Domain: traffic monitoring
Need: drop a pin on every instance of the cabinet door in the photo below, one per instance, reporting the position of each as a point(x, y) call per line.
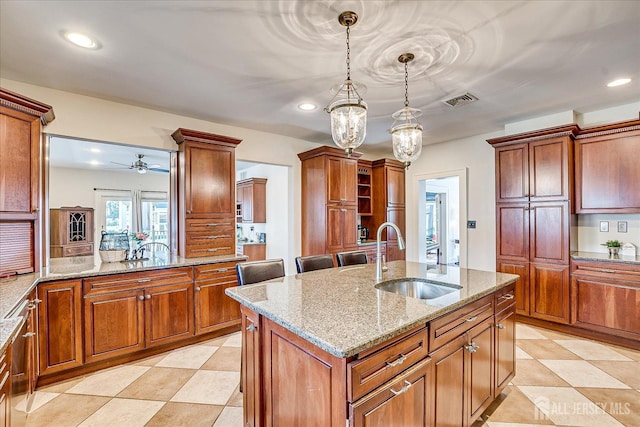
point(549, 174)
point(404, 402)
point(512, 173)
point(549, 232)
point(396, 216)
point(214, 309)
point(251, 381)
point(480, 364)
point(512, 231)
point(349, 227)
point(59, 325)
point(449, 384)
point(247, 203)
point(395, 188)
point(342, 229)
point(114, 324)
point(505, 348)
point(342, 181)
point(209, 181)
point(522, 284)
point(549, 292)
point(168, 313)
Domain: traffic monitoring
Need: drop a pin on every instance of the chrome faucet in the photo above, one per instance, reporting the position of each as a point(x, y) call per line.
point(401, 246)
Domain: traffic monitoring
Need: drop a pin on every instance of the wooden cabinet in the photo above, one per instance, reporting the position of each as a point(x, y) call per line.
point(206, 193)
point(125, 313)
point(371, 249)
point(606, 169)
point(329, 201)
point(71, 232)
point(522, 284)
point(251, 381)
point(606, 298)
point(505, 355)
point(549, 298)
point(388, 201)
point(251, 195)
point(365, 193)
point(214, 309)
point(255, 251)
point(5, 387)
point(20, 199)
point(60, 325)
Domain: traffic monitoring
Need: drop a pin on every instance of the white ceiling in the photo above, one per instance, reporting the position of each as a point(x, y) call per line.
point(250, 63)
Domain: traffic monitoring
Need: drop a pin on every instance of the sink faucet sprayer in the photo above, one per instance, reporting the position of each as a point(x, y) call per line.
point(401, 246)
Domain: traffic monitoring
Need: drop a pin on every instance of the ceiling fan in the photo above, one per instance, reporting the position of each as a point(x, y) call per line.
point(141, 166)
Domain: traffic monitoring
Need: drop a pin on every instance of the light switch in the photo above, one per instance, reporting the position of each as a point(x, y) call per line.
point(471, 224)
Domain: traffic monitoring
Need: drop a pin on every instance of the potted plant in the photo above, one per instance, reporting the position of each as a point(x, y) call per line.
point(613, 245)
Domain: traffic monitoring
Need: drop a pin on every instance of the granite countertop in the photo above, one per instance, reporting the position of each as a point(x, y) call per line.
point(604, 257)
point(15, 288)
point(341, 311)
point(241, 243)
point(369, 242)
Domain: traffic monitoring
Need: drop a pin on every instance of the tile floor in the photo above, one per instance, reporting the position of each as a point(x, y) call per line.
point(561, 380)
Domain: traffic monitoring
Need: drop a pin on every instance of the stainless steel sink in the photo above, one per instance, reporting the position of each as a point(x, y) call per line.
point(417, 288)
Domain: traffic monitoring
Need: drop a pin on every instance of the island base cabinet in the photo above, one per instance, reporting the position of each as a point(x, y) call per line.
point(505, 351)
point(251, 369)
point(480, 364)
point(449, 384)
point(404, 401)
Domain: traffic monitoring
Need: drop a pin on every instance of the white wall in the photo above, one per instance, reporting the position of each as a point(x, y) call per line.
point(590, 238)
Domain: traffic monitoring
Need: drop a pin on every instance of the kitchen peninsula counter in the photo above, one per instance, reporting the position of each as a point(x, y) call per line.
point(340, 311)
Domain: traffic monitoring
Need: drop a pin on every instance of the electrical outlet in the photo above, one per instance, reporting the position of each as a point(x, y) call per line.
point(471, 224)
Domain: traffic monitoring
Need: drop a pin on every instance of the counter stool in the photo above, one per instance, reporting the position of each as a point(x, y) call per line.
point(313, 262)
point(351, 258)
point(259, 271)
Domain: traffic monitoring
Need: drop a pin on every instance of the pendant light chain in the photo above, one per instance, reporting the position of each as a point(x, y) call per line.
point(348, 55)
point(406, 83)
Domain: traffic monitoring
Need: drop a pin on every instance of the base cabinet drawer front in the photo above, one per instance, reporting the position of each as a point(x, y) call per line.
point(505, 297)
point(611, 306)
point(114, 324)
point(606, 271)
point(404, 401)
point(446, 328)
point(521, 291)
point(210, 239)
point(168, 313)
point(376, 369)
point(505, 354)
point(77, 250)
point(194, 251)
point(60, 325)
point(550, 292)
point(213, 225)
point(128, 281)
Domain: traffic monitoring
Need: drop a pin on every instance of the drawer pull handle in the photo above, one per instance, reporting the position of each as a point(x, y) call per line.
point(222, 270)
point(144, 280)
point(405, 387)
point(31, 306)
point(29, 335)
point(606, 270)
point(251, 327)
point(472, 348)
point(471, 319)
point(399, 361)
point(499, 326)
point(36, 301)
point(507, 297)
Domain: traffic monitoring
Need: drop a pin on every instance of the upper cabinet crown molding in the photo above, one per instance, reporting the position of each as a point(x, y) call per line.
point(327, 151)
point(564, 130)
point(181, 135)
point(27, 105)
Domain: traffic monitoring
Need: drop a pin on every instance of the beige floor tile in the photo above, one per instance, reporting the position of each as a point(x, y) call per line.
point(546, 349)
point(627, 372)
point(123, 412)
point(498, 424)
point(623, 405)
point(521, 354)
point(158, 384)
point(526, 332)
point(580, 373)
point(566, 406)
point(230, 417)
point(66, 410)
point(208, 387)
point(591, 350)
point(149, 361)
point(225, 359)
point(109, 382)
point(553, 335)
point(216, 342)
point(512, 406)
point(62, 386)
point(234, 340)
point(192, 357)
point(236, 398)
point(632, 354)
point(532, 372)
point(185, 414)
point(39, 399)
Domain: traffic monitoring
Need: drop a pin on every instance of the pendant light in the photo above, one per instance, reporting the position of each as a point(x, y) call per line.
point(406, 132)
point(347, 109)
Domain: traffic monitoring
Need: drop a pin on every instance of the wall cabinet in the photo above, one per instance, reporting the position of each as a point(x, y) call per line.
point(71, 232)
point(213, 308)
point(329, 201)
point(606, 169)
point(206, 193)
point(20, 199)
point(251, 196)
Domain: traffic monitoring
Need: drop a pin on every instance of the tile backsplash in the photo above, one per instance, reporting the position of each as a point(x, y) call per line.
point(590, 238)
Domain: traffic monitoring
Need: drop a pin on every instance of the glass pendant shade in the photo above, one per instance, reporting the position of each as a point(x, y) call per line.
point(406, 135)
point(348, 121)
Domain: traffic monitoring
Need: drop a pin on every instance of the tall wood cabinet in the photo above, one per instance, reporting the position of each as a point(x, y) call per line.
point(388, 203)
point(206, 193)
point(329, 201)
point(251, 196)
point(20, 200)
point(534, 218)
point(71, 232)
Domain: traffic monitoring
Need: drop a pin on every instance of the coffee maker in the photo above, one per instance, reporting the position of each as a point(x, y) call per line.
point(363, 233)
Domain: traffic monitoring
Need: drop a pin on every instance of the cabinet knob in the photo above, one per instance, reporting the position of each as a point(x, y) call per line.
point(472, 348)
point(251, 327)
point(148, 296)
point(188, 212)
point(405, 387)
point(499, 326)
point(197, 288)
point(141, 297)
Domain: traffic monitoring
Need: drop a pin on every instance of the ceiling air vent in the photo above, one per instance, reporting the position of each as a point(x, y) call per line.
point(460, 100)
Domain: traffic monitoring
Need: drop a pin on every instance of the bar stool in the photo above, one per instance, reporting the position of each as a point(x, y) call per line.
point(351, 258)
point(259, 271)
point(313, 262)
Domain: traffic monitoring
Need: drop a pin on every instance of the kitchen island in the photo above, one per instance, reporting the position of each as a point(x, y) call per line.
point(327, 346)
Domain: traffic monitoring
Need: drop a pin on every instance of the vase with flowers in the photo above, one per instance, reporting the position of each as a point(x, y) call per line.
point(614, 246)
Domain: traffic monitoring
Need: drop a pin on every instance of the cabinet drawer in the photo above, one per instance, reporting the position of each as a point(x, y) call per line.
point(223, 272)
point(606, 270)
point(209, 250)
point(211, 238)
point(117, 282)
point(373, 370)
point(77, 250)
point(505, 297)
point(446, 328)
point(212, 225)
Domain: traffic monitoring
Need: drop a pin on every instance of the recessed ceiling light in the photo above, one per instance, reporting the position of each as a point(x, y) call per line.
point(618, 82)
point(81, 40)
point(94, 162)
point(307, 106)
point(95, 150)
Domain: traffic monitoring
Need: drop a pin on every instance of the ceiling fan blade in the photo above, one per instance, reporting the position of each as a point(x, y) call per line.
point(159, 170)
point(122, 164)
point(153, 166)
